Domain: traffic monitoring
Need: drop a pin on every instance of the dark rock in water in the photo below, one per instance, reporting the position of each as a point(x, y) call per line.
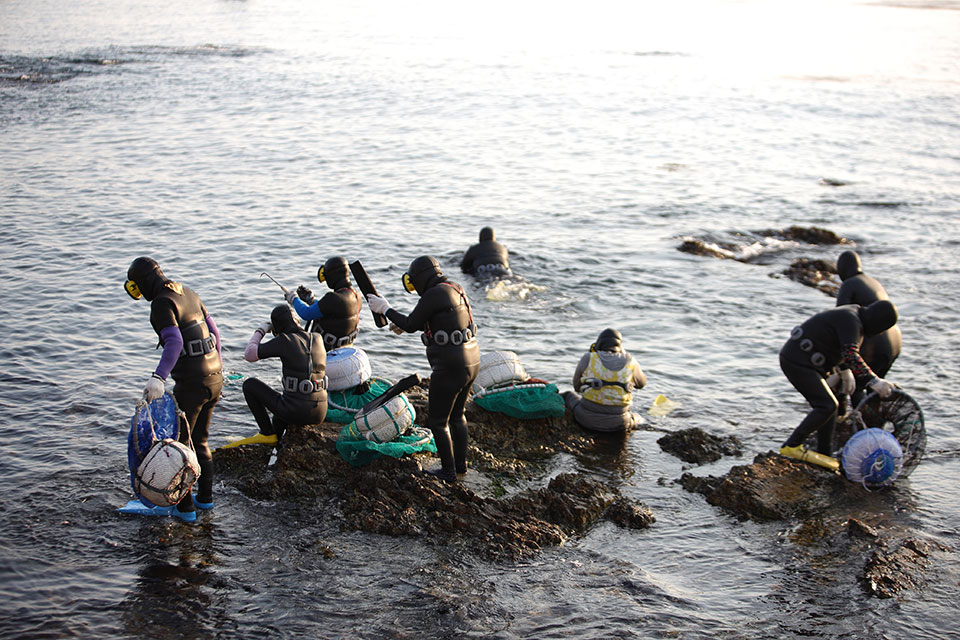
point(772, 488)
point(775, 488)
point(819, 274)
point(698, 446)
point(394, 497)
point(701, 248)
point(889, 572)
point(810, 235)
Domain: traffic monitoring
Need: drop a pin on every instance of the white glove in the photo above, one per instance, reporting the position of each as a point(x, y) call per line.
point(266, 327)
point(881, 387)
point(153, 389)
point(378, 304)
point(397, 330)
point(289, 296)
point(848, 384)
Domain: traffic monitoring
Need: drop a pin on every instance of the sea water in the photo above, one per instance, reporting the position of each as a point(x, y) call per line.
point(226, 138)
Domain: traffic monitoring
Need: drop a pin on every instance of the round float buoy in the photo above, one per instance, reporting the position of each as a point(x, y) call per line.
point(346, 368)
point(872, 457)
point(167, 473)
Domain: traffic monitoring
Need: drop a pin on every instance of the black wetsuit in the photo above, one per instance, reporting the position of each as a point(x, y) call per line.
point(879, 351)
point(336, 315)
point(486, 258)
point(826, 340)
point(304, 398)
point(197, 375)
point(444, 316)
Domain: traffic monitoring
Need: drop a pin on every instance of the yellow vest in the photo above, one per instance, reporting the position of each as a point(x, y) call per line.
point(603, 386)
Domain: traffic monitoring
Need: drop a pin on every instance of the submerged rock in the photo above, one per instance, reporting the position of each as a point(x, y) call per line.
point(698, 446)
point(819, 274)
point(394, 497)
point(775, 488)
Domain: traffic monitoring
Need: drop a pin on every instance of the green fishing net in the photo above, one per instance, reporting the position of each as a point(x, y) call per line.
point(358, 451)
point(343, 405)
point(524, 400)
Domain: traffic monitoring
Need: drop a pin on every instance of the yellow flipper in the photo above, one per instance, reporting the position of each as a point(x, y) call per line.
point(258, 438)
point(806, 455)
point(662, 405)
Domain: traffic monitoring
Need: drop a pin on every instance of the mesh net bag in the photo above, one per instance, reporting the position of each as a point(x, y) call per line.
point(523, 401)
point(898, 414)
point(342, 406)
point(358, 451)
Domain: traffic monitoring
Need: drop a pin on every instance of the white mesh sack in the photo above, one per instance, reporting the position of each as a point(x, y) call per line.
point(499, 368)
point(346, 368)
point(167, 473)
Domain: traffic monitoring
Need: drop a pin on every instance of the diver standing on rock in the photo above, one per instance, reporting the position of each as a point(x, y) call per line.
point(606, 376)
point(487, 258)
point(303, 359)
point(336, 315)
point(878, 351)
point(826, 340)
point(191, 356)
point(445, 317)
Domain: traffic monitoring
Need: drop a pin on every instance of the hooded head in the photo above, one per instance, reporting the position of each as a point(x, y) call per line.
point(487, 233)
point(878, 317)
point(334, 273)
point(283, 320)
point(423, 273)
point(144, 277)
point(608, 340)
point(848, 265)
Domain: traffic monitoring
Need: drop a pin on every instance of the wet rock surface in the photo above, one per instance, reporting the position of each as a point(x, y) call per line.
point(697, 446)
point(394, 497)
point(816, 503)
point(743, 247)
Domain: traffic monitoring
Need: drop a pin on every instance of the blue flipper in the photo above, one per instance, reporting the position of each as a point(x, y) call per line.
point(137, 508)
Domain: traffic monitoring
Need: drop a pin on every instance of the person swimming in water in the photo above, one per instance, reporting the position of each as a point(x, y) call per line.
point(606, 377)
point(445, 318)
point(878, 351)
point(487, 258)
point(191, 356)
point(335, 316)
point(303, 361)
point(827, 340)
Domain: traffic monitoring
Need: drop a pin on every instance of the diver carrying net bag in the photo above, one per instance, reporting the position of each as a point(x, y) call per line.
point(162, 469)
point(899, 414)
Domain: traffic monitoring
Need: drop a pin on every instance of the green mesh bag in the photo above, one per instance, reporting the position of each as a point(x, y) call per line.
point(343, 405)
point(524, 400)
point(358, 451)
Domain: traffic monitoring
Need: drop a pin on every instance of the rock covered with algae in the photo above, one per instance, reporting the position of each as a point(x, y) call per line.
point(393, 497)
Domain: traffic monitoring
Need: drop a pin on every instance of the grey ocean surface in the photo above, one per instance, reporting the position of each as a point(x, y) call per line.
point(227, 137)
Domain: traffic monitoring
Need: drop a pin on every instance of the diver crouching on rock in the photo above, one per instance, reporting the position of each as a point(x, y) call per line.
point(336, 315)
point(191, 356)
point(824, 341)
point(303, 360)
point(606, 376)
point(445, 318)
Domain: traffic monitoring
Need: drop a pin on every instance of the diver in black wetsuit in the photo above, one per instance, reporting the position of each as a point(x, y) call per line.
point(444, 316)
point(304, 359)
point(487, 258)
point(191, 355)
point(878, 351)
point(336, 315)
point(826, 340)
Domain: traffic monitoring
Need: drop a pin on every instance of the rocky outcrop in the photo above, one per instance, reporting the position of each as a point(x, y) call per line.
point(697, 446)
point(775, 488)
point(394, 497)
